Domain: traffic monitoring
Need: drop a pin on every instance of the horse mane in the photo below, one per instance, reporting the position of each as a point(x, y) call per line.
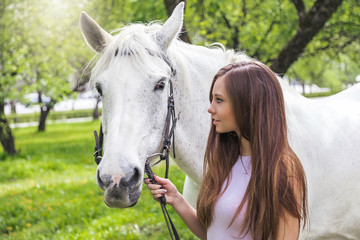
point(135, 42)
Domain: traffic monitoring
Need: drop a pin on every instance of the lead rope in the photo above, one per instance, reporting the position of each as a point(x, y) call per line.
point(172, 230)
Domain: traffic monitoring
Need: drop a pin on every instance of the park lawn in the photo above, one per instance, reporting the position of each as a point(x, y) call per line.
point(49, 191)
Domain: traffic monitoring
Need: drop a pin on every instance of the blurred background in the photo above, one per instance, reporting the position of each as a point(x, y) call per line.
point(47, 111)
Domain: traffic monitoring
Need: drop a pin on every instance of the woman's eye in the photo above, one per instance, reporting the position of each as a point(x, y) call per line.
point(98, 88)
point(160, 85)
point(219, 100)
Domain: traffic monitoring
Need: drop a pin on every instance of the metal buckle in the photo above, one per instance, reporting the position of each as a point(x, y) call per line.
point(148, 159)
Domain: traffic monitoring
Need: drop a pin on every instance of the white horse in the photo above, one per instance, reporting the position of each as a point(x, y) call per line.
point(325, 134)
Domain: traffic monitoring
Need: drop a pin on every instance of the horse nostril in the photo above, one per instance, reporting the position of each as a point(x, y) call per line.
point(103, 180)
point(132, 180)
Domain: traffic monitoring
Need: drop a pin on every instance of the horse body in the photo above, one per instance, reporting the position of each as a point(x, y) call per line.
point(350, 94)
point(323, 133)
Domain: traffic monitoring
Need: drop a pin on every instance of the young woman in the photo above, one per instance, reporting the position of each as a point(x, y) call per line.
point(254, 186)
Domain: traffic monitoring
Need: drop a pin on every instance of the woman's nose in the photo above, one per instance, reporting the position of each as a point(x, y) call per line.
point(211, 109)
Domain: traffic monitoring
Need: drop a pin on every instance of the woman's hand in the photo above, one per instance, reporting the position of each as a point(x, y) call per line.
point(164, 188)
point(187, 213)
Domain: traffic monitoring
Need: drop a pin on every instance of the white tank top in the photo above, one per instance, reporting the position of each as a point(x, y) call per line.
point(227, 204)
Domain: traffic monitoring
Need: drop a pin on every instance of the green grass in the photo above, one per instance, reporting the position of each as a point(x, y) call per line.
point(320, 94)
point(34, 117)
point(49, 191)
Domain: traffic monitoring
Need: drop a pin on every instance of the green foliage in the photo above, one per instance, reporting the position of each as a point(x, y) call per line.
point(40, 48)
point(263, 28)
point(339, 32)
point(112, 15)
point(49, 191)
point(256, 27)
point(331, 59)
point(325, 72)
point(319, 94)
point(41, 44)
point(12, 52)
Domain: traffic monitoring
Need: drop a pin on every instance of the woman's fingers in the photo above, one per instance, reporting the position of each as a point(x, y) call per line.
point(157, 196)
point(153, 186)
point(158, 191)
point(164, 187)
point(161, 180)
point(148, 181)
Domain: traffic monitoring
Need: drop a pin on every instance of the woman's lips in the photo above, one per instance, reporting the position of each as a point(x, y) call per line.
point(216, 122)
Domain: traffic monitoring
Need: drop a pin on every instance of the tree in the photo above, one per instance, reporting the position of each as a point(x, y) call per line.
point(50, 33)
point(53, 40)
point(310, 23)
point(12, 65)
point(276, 32)
point(310, 70)
point(6, 136)
point(324, 71)
point(39, 51)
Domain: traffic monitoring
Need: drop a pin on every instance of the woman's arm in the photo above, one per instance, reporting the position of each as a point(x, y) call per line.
point(177, 201)
point(289, 226)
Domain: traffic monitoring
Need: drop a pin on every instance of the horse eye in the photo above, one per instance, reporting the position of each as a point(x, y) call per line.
point(160, 85)
point(98, 88)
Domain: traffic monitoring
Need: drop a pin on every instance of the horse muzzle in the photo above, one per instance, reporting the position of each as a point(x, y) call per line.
point(121, 191)
point(121, 198)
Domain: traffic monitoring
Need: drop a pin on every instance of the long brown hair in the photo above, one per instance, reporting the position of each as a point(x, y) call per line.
point(258, 104)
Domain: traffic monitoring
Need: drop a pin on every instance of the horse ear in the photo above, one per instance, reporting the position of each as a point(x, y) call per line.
point(171, 27)
point(96, 37)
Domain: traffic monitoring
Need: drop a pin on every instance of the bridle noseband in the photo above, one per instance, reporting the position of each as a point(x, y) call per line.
point(168, 135)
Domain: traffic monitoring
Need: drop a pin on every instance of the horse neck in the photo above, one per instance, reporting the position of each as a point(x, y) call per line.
point(302, 118)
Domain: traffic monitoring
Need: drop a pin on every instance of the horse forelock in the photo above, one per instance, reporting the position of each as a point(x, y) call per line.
point(135, 43)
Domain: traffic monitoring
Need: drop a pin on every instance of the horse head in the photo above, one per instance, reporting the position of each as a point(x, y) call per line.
point(132, 76)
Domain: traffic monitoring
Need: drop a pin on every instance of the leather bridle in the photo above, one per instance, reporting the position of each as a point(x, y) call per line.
point(168, 140)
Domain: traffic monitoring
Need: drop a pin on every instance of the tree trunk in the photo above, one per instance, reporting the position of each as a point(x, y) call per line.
point(44, 112)
point(311, 23)
point(6, 137)
point(303, 87)
point(13, 109)
point(170, 5)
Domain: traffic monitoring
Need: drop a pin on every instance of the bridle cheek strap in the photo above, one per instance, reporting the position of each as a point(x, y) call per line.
point(98, 145)
point(164, 155)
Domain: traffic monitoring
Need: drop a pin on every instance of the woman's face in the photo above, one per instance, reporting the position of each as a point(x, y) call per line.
point(221, 109)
